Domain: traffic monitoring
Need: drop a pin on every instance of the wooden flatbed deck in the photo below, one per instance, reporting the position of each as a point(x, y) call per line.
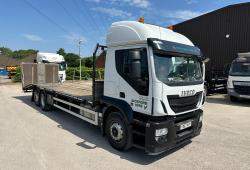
point(77, 89)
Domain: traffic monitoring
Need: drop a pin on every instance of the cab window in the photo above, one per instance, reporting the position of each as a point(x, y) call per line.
point(132, 66)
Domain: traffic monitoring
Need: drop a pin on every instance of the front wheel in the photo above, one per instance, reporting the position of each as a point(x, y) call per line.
point(118, 132)
point(205, 90)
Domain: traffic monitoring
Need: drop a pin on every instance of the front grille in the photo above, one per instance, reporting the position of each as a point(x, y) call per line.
point(182, 104)
point(244, 90)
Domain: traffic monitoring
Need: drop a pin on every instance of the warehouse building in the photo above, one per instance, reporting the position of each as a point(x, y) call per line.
point(220, 34)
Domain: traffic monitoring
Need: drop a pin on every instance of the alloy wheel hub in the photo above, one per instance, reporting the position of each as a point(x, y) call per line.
point(116, 131)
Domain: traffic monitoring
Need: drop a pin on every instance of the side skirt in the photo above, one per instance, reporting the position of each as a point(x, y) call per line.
point(83, 113)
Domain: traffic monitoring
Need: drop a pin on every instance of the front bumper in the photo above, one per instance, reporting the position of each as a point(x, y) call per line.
point(231, 92)
point(175, 137)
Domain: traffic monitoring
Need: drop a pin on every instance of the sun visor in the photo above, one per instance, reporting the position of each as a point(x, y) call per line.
point(172, 47)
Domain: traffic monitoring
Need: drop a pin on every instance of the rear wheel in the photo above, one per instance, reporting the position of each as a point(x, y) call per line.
point(36, 97)
point(43, 102)
point(32, 96)
point(233, 98)
point(118, 132)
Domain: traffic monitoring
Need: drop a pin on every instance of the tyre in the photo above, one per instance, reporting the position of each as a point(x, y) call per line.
point(205, 90)
point(205, 94)
point(118, 132)
point(36, 97)
point(32, 96)
point(233, 99)
point(43, 102)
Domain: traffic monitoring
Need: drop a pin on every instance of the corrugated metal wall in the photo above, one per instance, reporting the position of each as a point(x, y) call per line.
point(209, 31)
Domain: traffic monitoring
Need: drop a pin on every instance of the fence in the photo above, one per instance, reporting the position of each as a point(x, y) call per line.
point(73, 73)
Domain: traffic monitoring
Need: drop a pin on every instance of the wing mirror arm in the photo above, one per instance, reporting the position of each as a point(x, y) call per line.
point(205, 60)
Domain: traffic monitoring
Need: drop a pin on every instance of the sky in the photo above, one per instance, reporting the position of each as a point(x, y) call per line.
point(47, 25)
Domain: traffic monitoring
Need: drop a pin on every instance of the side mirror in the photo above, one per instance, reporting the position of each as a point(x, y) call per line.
point(135, 64)
point(227, 69)
point(206, 60)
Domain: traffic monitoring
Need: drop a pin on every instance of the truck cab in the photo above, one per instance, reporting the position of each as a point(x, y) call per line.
point(238, 84)
point(154, 66)
point(159, 74)
point(55, 59)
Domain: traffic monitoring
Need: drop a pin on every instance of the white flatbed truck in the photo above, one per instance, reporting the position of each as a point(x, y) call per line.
point(56, 59)
point(152, 92)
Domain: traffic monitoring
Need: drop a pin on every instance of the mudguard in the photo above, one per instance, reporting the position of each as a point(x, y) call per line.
point(123, 106)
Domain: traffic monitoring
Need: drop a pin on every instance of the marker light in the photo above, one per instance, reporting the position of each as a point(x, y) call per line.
point(171, 27)
point(141, 20)
point(201, 118)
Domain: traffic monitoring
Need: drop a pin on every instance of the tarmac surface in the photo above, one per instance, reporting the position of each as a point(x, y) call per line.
point(32, 139)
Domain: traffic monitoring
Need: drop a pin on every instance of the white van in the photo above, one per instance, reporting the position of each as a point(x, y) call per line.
point(238, 84)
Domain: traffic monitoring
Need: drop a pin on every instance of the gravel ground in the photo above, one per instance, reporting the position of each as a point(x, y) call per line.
point(33, 139)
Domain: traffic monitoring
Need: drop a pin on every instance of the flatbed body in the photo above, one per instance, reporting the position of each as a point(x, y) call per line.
point(74, 97)
point(81, 90)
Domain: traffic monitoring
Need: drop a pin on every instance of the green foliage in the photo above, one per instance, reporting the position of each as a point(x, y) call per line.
point(61, 51)
point(17, 76)
point(88, 61)
point(19, 54)
point(72, 59)
point(5, 51)
point(72, 73)
point(23, 53)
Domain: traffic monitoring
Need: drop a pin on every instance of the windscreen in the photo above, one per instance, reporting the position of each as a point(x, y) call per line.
point(240, 67)
point(172, 69)
point(62, 65)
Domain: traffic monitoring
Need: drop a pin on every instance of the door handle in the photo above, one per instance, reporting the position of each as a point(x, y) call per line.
point(122, 94)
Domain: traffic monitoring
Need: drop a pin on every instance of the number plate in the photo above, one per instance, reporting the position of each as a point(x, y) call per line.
point(185, 125)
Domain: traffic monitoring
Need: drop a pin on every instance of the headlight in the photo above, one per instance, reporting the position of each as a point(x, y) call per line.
point(161, 132)
point(201, 118)
point(229, 84)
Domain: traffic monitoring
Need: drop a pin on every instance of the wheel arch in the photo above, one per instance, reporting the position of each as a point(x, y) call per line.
point(116, 105)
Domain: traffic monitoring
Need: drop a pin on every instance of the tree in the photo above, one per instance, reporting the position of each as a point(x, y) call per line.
point(88, 62)
point(61, 51)
point(5, 51)
point(72, 59)
point(18, 53)
point(23, 53)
